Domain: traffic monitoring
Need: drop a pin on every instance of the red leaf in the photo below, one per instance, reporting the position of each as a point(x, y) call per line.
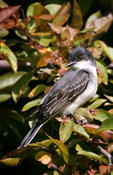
point(7, 12)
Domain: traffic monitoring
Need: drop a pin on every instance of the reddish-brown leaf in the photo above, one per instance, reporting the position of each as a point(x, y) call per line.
point(62, 15)
point(45, 59)
point(8, 23)
point(7, 12)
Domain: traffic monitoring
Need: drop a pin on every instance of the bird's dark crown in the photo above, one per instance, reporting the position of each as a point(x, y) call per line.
point(79, 53)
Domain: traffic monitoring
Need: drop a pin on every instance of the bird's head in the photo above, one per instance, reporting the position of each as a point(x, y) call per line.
point(79, 54)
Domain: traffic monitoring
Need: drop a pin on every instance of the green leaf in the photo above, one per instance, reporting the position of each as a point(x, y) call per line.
point(84, 112)
point(37, 90)
point(10, 161)
point(62, 15)
point(97, 103)
point(45, 40)
point(36, 9)
point(42, 144)
point(8, 55)
point(77, 20)
point(30, 105)
point(53, 8)
point(80, 130)
point(63, 148)
point(107, 50)
point(102, 115)
point(9, 79)
point(4, 97)
point(21, 84)
point(102, 71)
point(3, 32)
point(65, 130)
point(90, 155)
point(106, 125)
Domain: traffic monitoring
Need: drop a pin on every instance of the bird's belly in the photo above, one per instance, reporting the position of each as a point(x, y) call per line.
point(81, 99)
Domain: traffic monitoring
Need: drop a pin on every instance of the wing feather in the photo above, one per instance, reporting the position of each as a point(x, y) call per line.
point(64, 91)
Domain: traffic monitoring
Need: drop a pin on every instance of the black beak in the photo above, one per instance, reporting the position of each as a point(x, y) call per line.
point(70, 64)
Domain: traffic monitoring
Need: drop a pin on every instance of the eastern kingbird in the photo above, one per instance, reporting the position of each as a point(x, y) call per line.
point(75, 88)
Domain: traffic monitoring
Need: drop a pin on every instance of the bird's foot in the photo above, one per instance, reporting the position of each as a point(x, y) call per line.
point(80, 122)
point(65, 119)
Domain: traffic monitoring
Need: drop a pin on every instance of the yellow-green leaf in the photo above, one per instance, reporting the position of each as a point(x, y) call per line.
point(106, 49)
point(37, 90)
point(80, 130)
point(65, 130)
point(7, 54)
point(102, 71)
point(30, 104)
point(36, 9)
point(106, 125)
point(77, 20)
point(90, 155)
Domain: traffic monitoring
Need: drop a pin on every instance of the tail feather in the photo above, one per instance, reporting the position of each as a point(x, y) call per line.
point(30, 135)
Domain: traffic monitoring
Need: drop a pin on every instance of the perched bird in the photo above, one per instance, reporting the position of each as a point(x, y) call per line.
point(75, 88)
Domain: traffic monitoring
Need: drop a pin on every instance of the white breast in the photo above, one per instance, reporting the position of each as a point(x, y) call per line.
point(89, 92)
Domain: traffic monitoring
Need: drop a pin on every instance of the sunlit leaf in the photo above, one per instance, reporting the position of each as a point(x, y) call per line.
point(37, 90)
point(42, 144)
point(90, 155)
point(107, 50)
point(45, 40)
point(102, 115)
point(9, 79)
point(3, 4)
point(84, 112)
point(10, 161)
point(3, 32)
point(102, 71)
point(35, 9)
point(44, 157)
point(7, 12)
point(62, 15)
point(92, 18)
point(77, 20)
point(100, 24)
point(4, 97)
point(30, 105)
point(65, 130)
point(80, 130)
point(7, 54)
point(21, 84)
point(97, 103)
point(53, 8)
point(109, 97)
point(106, 125)
point(45, 59)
